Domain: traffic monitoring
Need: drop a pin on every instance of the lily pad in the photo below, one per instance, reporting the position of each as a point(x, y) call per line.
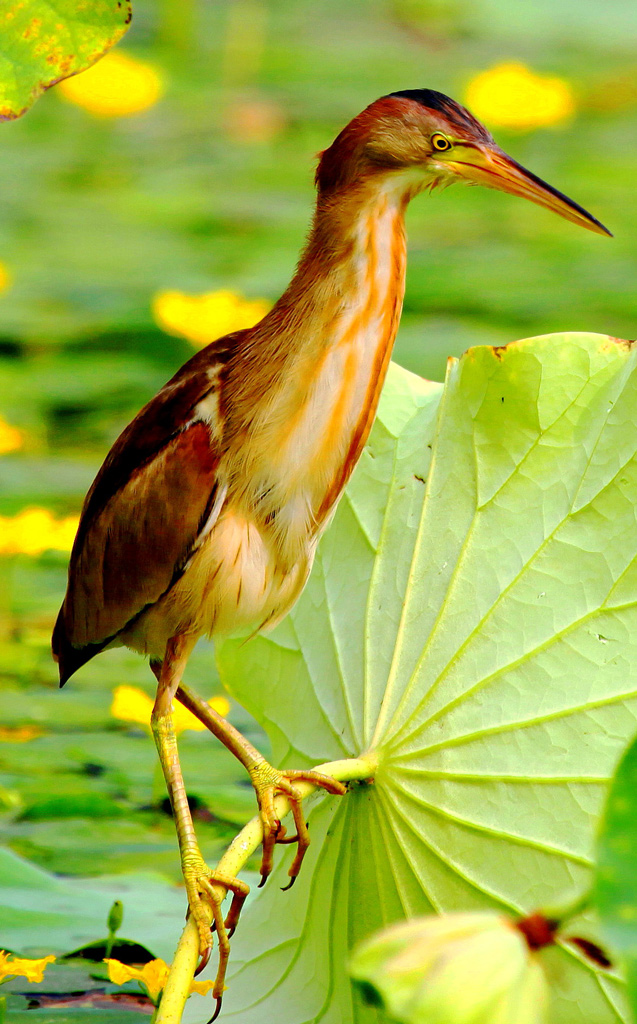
point(471, 617)
point(42, 914)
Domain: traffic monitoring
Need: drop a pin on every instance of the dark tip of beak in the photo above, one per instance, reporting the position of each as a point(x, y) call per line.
point(560, 195)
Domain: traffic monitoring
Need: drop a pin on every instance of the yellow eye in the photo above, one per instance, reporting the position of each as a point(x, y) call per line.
point(440, 143)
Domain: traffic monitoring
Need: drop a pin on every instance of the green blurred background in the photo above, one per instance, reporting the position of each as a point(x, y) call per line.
point(212, 188)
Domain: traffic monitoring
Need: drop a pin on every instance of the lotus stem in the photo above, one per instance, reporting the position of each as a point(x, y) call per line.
point(234, 859)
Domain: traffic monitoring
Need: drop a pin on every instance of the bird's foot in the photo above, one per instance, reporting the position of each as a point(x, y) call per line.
point(269, 782)
point(206, 891)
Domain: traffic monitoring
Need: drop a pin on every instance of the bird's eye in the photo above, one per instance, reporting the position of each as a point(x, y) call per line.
point(440, 143)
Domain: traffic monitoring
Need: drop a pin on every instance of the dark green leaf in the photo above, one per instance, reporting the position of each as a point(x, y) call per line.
point(84, 805)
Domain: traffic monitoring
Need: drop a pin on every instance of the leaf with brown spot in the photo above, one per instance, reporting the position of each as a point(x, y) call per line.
point(41, 43)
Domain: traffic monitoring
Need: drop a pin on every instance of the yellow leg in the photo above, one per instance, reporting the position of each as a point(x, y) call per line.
point(205, 889)
point(267, 781)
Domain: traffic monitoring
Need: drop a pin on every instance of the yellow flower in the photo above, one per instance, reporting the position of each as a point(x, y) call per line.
point(130, 704)
point(35, 530)
point(10, 437)
point(18, 733)
point(202, 318)
point(5, 277)
point(512, 95)
point(32, 970)
point(116, 86)
point(202, 987)
point(152, 976)
point(63, 533)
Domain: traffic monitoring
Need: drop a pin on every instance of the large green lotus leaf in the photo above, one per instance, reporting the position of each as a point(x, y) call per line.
point(479, 631)
point(43, 41)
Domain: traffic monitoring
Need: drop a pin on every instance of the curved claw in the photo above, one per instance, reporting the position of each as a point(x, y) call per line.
point(206, 892)
point(217, 1010)
point(286, 888)
point(269, 782)
point(203, 961)
point(283, 840)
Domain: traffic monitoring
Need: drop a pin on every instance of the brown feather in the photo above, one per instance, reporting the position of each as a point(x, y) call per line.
point(142, 515)
point(159, 421)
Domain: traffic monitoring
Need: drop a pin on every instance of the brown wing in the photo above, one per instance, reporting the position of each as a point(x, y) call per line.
point(143, 513)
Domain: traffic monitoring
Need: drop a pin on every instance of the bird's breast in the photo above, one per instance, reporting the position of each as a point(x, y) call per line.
point(295, 417)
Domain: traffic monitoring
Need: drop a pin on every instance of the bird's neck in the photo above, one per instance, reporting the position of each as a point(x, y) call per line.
point(325, 347)
point(352, 273)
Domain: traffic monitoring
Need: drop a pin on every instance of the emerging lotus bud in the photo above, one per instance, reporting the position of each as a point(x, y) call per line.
point(455, 969)
point(115, 917)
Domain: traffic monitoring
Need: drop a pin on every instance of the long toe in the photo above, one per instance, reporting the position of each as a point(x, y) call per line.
point(206, 892)
point(270, 783)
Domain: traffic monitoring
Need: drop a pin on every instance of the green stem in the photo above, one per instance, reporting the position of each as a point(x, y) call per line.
point(234, 859)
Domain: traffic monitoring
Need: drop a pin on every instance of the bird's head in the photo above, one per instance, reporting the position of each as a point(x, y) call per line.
point(420, 138)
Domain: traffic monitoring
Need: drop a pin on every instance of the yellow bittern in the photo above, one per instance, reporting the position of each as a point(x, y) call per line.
point(207, 511)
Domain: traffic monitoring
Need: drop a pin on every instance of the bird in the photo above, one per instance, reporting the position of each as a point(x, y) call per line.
point(206, 514)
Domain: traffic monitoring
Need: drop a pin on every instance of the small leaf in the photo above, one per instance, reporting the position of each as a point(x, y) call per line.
point(42, 43)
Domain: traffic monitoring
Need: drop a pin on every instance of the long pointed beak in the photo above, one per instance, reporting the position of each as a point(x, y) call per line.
point(493, 168)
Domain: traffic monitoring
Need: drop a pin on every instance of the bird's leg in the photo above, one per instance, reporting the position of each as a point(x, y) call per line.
point(267, 781)
point(205, 889)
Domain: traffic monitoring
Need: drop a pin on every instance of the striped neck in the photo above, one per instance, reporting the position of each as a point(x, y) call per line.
point(324, 350)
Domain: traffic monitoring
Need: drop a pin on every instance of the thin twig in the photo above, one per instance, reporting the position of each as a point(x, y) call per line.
point(234, 859)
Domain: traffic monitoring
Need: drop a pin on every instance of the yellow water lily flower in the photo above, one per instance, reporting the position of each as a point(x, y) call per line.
point(10, 437)
point(19, 733)
point(118, 85)
point(130, 704)
point(203, 318)
point(35, 530)
point(32, 970)
point(152, 976)
point(512, 95)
